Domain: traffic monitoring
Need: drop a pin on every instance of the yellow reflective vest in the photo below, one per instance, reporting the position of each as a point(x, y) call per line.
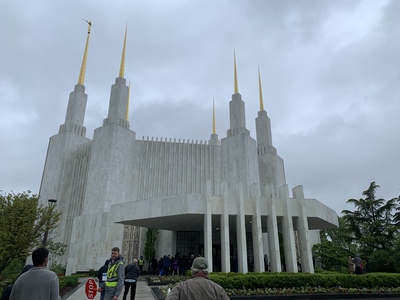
point(112, 274)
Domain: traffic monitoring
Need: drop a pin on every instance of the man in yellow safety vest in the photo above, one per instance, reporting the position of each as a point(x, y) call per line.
point(141, 263)
point(115, 276)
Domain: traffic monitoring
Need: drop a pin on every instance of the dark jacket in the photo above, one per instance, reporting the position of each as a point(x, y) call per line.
point(7, 292)
point(100, 273)
point(131, 271)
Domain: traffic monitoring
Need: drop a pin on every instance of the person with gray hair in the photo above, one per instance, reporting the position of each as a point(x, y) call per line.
point(132, 272)
point(199, 287)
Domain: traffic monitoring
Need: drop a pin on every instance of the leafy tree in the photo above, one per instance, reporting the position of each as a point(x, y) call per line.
point(371, 230)
point(334, 248)
point(149, 247)
point(57, 250)
point(371, 226)
point(338, 236)
point(23, 223)
point(333, 257)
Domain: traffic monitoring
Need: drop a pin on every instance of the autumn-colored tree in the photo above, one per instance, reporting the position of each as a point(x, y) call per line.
point(23, 225)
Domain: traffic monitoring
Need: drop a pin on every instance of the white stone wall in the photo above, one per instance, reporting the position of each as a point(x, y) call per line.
point(93, 237)
point(116, 178)
point(111, 168)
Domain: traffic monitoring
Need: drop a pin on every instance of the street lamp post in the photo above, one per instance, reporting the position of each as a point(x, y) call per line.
point(46, 233)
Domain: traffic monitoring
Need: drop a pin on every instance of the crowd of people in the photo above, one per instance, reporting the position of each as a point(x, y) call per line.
point(116, 278)
point(167, 265)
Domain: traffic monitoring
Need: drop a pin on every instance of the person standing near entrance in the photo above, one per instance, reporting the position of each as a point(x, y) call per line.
point(115, 276)
point(199, 287)
point(131, 275)
point(141, 263)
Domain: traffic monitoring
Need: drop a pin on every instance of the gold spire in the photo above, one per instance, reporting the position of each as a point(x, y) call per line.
point(260, 91)
point(235, 75)
point(122, 67)
point(213, 124)
point(81, 79)
point(127, 102)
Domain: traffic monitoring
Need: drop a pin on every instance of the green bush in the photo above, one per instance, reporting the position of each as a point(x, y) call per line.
point(303, 283)
point(68, 281)
point(58, 269)
point(301, 280)
point(12, 271)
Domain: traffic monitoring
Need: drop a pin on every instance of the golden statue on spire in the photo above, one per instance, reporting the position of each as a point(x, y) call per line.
point(90, 25)
point(81, 79)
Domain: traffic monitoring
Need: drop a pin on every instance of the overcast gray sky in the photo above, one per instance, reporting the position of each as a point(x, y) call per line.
point(330, 75)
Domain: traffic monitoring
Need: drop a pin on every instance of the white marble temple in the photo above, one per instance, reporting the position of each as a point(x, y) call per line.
point(226, 199)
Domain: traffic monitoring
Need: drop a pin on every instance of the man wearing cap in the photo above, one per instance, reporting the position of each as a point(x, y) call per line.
point(199, 287)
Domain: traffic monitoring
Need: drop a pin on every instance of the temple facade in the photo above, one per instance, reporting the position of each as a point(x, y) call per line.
point(225, 199)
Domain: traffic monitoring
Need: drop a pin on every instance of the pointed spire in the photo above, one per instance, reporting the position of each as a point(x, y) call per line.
point(213, 124)
point(260, 91)
point(127, 102)
point(81, 79)
point(122, 67)
point(236, 90)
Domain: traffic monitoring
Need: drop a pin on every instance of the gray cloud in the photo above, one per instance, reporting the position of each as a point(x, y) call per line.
point(329, 69)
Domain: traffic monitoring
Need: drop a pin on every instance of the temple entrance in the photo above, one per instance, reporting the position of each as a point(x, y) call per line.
point(187, 243)
point(216, 253)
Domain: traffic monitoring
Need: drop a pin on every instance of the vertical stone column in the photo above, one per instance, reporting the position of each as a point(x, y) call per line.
point(208, 228)
point(266, 246)
point(241, 233)
point(173, 242)
point(273, 237)
point(224, 227)
point(302, 230)
point(288, 233)
point(258, 249)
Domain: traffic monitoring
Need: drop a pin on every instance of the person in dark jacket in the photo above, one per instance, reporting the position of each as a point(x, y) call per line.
point(167, 265)
point(161, 266)
point(154, 264)
point(357, 261)
point(102, 276)
point(131, 274)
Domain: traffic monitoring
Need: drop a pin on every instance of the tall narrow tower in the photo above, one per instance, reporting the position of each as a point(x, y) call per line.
point(270, 164)
point(239, 149)
point(111, 166)
point(58, 173)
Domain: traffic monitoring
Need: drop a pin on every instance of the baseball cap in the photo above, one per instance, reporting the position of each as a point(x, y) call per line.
point(200, 263)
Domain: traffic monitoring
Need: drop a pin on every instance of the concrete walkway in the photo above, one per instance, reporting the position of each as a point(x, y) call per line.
point(143, 292)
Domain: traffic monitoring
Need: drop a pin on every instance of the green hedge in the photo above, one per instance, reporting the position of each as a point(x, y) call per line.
point(298, 280)
point(68, 281)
